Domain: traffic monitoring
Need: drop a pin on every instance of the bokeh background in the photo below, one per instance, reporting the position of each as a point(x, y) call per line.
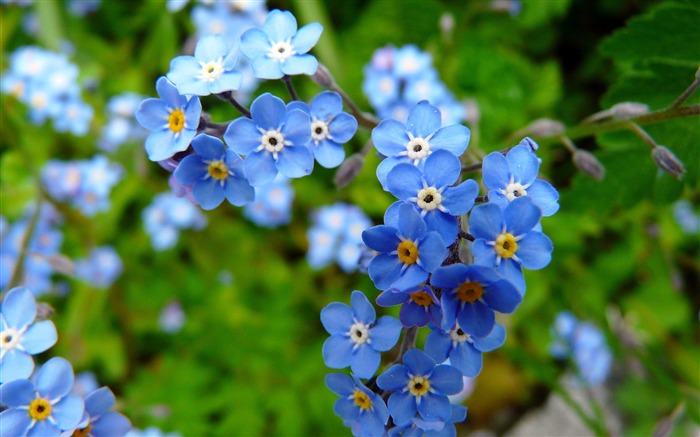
point(247, 360)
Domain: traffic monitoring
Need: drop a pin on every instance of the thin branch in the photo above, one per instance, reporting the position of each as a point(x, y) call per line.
point(287, 79)
point(228, 96)
point(641, 133)
point(364, 119)
point(688, 92)
point(18, 271)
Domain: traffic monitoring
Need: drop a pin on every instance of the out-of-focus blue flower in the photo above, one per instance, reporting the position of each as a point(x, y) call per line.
point(172, 120)
point(463, 350)
point(686, 217)
point(420, 387)
point(84, 383)
point(278, 49)
point(505, 239)
point(432, 192)
point(515, 175)
point(98, 419)
point(273, 204)
point(101, 268)
point(357, 337)
point(471, 294)
point(418, 427)
point(210, 71)
point(414, 141)
point(214, 172)
point(151, 432)
point(336, 234)
point(172, 317)
point(330, 127)
point(407, 251)
point(420, 305)
point(20, 336)
point(80, 8)
point(358, 406)
point(42, 408)
point(166, 216)
point(75, 117)
point(273, 141)
point(122, 126)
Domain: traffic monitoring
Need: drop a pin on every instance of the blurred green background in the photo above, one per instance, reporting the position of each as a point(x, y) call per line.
point(248, 359)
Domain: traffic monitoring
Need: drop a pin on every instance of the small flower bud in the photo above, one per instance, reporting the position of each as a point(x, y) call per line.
point(349, 170)
point(61, 264)
point(471, 106)
point(323, 77)
point(44, 311)
point(668, 162)
point(545, 127)
point(447, 23)
point(626, 110)
point(530, 143)
point(589, 164)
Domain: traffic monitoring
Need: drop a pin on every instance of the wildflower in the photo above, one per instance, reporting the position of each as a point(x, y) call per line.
point(358, 405)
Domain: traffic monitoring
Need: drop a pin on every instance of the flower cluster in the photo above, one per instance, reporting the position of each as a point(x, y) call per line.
point(398, 78)
point(585, 345)
point(273, 204)
point(166, 216)
point(121, 125)
point(336, 235)
point(45, 405)
point(101, 268)
point(86, 184)
point(47, 83)
point(451, 258)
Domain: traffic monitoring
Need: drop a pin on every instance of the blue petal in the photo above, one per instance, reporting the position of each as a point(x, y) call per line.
point(14, 422)
point(418, 362)
point(307, 37)
point(502, 297)
point(209, 147)
point(365, 361)
point(295, 161)
point(496, 171)
point(340, 384)
point(228, 81)
point(268, 111)
point(402, 407)
point(390, 298)
point(438, 346)
point(168, 93)
point(384, 269)
point(511, 271)
point(238, 191)
point(19, 307)
point(385, 167)
point(449, 277)
point(486, 221)
point(337, 351)
point(300, 64)
point(412, 276)
point(110, 424)
point(342, 128)
point(432, 251)
point(411, 225)
point(243, 136)
point(444, 224)
point(17, 393)
point(467, 359)
point(297, 128)
point(476, 319)
point(99, 401)
point(394, 378)
point(523, 163)
point(346, 409)
point(435, 407)
point(453, 138)
point(337, 318)
point(255, 43)
point(381, 238)
point(329, 154)
point(15, 364)
point(423, 120)
point(208, 193)
point(521, 215)
point(491, 342)
point(483, 254)
point(210, 47)
point(362, 309)
point(390, 137)
point(280, 25)
point(68, 411)
point(446, 380)
point(55, 379)
point(267, 68)
point(460, 199)
point(413, 315)
point(44, 428)
point(153, 114)
point(298, 104)
point(327, 104)
point(183, 73)
point(442, 168)
point(372, 423)
point(39, 337)
point(545, 196)
point(385, 333)
point(534, 250)
point(451, 306)
point(190, 170)
point(404, 181)
point(260, 167)
point(159, 145)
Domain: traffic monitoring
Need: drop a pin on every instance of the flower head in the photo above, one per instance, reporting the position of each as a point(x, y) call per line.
point(420, 305)
point(358, 404)
point(463, 350)
point(98, 419)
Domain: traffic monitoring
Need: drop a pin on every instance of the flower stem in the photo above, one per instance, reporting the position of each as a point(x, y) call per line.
point(688, 92)
point(228, 96)
point(26, 241)
point(364, 119)
point(641, 133)
point(290, 87)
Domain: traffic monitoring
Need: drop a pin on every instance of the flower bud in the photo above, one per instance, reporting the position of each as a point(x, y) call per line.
point(323, 77)
point(61, 264)
point(447, 23)
point(545, 127)
point(349, 170)
point(44, 311)
point(529, 143)
point(668, 162)
point(626, 110)
point(589, 164)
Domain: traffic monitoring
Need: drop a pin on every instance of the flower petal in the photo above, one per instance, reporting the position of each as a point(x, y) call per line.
point(390, 137)
point(423, 120)
point(404, 181)
point(496, 171)
point(523, 163)
point(39, 337)
point(365, 361)
point(521, 215)
point(55, 379)
point(243, 136)
point(442, 168)
point(19, 308)
point(295, 161)
point(385, 333)
point(402, 407)
point(17, 393)
point(268, 112)
point(336, 318)
point(395, 378)
point(68, 411)
point(486, 221)
point(15, 364)
point(454, 138)
point(534, 250)
point(306, 37)
point(337, 351)
point(260, 167)
point(99, 401)
point(495, 339)
point(340, 384)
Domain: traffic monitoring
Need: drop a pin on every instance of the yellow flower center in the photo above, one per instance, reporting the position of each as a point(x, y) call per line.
point(506, 245)
point(176, 121)
point(421, 298)
point(418, 385)
point(39, 409)
point(84, 432)
point(218, 170)
point(470, 291)
point(361, 399)
point(408, 252)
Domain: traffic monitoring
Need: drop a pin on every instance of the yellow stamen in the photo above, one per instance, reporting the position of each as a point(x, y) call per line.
point(421, 298)
point(82, 432)
point(39, 409)
point(506, 245)
point(218, 170)
point(408, 252)
point(418, 385)
point(470, 291)
point(361, 399)
point(176, 121)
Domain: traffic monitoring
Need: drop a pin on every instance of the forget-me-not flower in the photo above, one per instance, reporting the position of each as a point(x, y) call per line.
point(98, 419)
point(273, 204)
point(357, 337)
point(358, 406)
point(419, 305)
point(463, 350)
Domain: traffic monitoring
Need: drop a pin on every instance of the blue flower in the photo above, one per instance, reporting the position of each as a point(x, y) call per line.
point(418, 138)
point(101, 268)
point(337, 235)
point(273, 142)
point(515, 175)
point(358, 405)
point(420, 305)
point(463, 350)
point(420, 387)
point(407, 251)
point(20, 337)
point(98, 420)
point(273, 204)
point(215, 173)
point(44, 408)
point(356, 340)
point(166, 216)
point(470, 296)
point(330, 127)
point(209, 71)
point(278, 49)
point(505, 239)
point(172, 120)
point(431, 192)
point(418, 427)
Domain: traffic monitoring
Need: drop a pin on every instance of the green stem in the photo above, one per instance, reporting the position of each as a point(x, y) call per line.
point(18, 271)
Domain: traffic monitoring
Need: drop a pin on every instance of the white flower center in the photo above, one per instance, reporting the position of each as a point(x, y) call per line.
point(429, 199)
point(281, 50)
point(418, 148)
point(459, 336)
point(319, 131)
point(211, 70)
point(386, 85)
point(9, 338)
point(514, 190)
point(359, 333)
point(39, 101)
point(272, 141)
